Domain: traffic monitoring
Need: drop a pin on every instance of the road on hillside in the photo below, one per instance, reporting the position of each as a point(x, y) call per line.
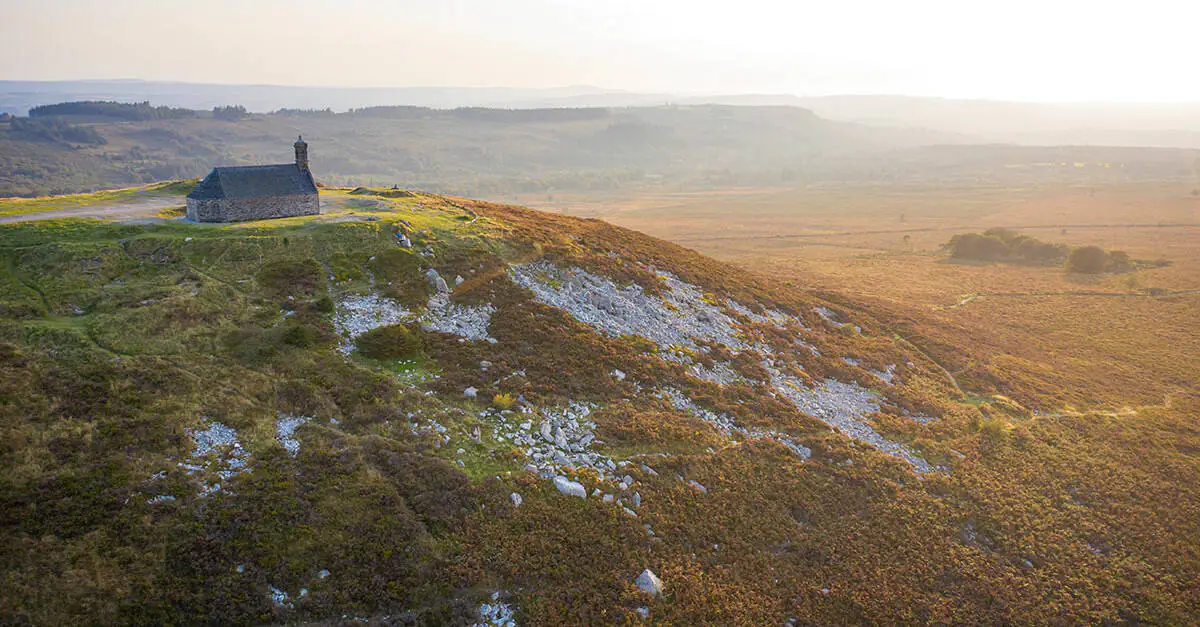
point(142, 208)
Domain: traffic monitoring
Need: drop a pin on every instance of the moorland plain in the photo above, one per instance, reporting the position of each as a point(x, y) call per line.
point(1094, 340)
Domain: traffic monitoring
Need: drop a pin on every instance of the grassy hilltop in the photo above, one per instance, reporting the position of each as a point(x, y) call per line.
point(287, 421)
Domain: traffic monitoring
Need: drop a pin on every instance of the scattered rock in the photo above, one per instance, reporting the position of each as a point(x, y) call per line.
point(496, 614)
point(843, 406)
point(231, 458)
point(649, 583)
point(279, 597)
point(469, 323)
point(888, 375)
point(470, 392)
point(570, 488)
point(436, 282)
point(722, 373)
point(285, 431)
point(696, 485)
point(678, 318)
point(357, 314)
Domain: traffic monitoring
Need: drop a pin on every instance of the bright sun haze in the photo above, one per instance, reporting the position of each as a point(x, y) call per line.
point(1029, 50)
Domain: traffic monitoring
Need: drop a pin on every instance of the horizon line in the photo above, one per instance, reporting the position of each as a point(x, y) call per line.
point(631, 92)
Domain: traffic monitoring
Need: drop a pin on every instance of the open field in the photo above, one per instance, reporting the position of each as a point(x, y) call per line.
point(1052, 338)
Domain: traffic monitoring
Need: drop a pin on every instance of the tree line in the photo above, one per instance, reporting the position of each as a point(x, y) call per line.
point(130, 111)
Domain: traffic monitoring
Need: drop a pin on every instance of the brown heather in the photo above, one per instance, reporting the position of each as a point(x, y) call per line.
point(116, 339)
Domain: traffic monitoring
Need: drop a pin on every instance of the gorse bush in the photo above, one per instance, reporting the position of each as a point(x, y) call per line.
point(391, 342)
point(504, 401)
point(999, 244)
point(300, 335)
point(1088, 260)
point(1119, 261)
point(977, 246)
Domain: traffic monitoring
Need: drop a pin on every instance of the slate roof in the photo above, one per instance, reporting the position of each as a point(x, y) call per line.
point(255, 181)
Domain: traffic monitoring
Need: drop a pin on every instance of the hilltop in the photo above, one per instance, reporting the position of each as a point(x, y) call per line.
point(418, 409)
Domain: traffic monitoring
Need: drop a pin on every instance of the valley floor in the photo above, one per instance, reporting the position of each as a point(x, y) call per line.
point(1106, 341)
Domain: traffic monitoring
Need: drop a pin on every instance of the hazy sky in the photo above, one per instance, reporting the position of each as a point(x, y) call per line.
point(1097, 50)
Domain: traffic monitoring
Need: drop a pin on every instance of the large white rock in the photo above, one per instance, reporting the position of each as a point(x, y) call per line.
point(570, 488)
point(649, 583)
point(436, 281)
point(516, 499)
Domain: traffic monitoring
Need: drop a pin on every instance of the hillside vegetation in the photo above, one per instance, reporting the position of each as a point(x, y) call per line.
point(540, 153)
point(303, 420)
point(481, 151)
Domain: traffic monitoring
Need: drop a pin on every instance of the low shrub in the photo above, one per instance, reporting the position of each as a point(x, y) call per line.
point(1088, 260)
point(391, 342)
point(992, 433)
point(1004, 245)
point(504, 401)
point(300, 335)
point(298, 278)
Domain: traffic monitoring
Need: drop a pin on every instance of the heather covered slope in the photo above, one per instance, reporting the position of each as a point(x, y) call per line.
point(309, 420)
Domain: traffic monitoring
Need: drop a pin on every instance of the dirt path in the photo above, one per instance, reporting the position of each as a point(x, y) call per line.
point(1071, 293)
point(142, 208)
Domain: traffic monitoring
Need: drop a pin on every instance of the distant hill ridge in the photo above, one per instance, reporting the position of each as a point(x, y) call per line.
point(1126, 124)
